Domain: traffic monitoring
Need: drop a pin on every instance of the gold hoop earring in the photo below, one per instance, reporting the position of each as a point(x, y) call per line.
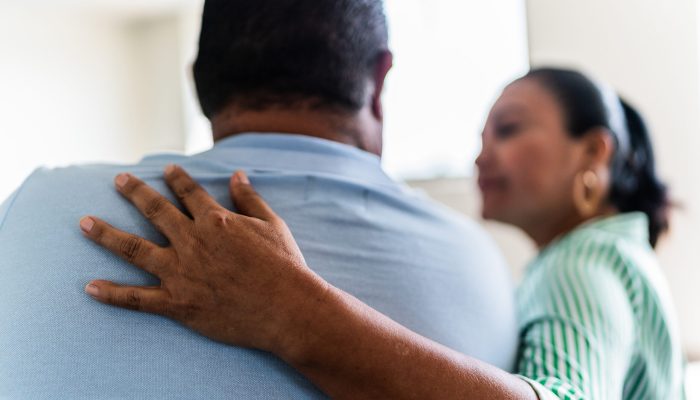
point(585, 186)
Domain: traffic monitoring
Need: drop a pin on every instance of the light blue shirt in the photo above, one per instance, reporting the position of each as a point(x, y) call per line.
point(413, 260)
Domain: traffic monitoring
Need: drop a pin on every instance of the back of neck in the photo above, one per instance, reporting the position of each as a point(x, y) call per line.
point(319, 123)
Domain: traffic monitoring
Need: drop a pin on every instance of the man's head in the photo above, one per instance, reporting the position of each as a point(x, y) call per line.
point(329, 56)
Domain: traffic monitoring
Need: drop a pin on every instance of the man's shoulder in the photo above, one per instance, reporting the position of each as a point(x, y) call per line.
point(59, 181)
point(79, 175)
point(51, 192)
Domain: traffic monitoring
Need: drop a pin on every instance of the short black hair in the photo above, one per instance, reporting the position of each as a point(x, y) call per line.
point(262, 53)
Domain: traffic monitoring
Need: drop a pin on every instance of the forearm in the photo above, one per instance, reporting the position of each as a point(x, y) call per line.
point(351, 351)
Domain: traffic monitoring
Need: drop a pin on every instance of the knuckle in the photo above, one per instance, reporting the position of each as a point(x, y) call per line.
point(185, 189)
point(98, 231)
point(250, 194)
point(174, 173)
point(218, 218)
point(131, 186)
point(278, 222)
point(130, 248)
point(155, 207)
point(132, 299)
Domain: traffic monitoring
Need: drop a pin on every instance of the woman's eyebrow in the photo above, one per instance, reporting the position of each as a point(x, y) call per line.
point(514, 109)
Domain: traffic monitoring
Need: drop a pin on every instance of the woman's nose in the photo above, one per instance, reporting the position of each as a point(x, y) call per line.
point(484, 155)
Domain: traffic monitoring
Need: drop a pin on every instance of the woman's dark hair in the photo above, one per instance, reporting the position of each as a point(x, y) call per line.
point(635, 185)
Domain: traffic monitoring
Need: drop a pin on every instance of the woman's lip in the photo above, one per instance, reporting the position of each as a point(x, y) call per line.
point(486, 183)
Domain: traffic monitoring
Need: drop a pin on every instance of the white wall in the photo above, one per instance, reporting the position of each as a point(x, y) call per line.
point(156, 90)
point(451, 57)
point(64, 91)
point(82, 83)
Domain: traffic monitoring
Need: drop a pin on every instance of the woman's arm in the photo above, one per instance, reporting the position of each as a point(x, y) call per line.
point(241, 280)
point(351, 351)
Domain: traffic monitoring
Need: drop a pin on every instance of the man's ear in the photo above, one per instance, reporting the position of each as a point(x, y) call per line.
point(599, 147)
point(385, 60)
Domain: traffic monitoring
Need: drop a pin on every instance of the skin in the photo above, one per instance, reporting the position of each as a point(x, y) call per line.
point(264, 296)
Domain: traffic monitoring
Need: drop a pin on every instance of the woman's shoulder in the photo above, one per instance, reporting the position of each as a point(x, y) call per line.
point(605, 260)
point(609, 257)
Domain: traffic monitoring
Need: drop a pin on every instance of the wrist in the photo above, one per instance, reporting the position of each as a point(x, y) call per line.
point(305, 320)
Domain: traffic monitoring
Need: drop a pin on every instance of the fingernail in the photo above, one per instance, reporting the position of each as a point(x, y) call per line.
point(169, 169)
point(92, 290)
point(121, 180)
point(86, 224)
point(242, 178)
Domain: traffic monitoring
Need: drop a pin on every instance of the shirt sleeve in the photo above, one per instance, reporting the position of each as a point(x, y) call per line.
point(580, 344)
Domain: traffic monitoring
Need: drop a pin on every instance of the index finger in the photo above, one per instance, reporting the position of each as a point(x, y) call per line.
point(195, 199)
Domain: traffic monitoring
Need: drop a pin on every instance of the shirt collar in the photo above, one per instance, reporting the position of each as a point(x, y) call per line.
point(295, 142)
point(295, 153)
point(633, 225)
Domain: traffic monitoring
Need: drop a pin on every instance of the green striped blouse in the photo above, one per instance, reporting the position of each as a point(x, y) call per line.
point(596, 317)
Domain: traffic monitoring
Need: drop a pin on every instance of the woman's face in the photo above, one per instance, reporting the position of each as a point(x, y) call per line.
point(528, 162)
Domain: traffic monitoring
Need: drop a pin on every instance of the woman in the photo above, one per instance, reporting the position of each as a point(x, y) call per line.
point(563, 159)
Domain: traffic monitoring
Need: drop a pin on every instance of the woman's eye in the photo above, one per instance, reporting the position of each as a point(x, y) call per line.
point(507, 130)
